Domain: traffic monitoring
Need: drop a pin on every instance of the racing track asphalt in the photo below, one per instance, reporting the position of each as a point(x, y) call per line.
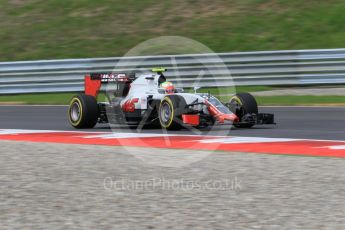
point(292, 122)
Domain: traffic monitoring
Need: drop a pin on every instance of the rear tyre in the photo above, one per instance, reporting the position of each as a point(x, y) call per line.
point(170, 112)
point(244, 103)
point(83, 111)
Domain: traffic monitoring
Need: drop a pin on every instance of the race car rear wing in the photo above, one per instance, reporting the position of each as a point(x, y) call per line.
point(93, 82)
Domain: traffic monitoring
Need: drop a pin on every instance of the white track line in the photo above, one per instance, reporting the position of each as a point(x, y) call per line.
point(108, 135)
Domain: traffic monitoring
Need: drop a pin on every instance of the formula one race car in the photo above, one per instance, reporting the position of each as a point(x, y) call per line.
point(149, 100)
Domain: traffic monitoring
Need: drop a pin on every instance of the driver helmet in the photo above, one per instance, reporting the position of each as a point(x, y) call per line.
point(168, 87)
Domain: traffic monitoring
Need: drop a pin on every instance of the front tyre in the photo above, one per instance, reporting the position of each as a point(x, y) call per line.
point(244, 103)
point(83, 111)
point(170, 112)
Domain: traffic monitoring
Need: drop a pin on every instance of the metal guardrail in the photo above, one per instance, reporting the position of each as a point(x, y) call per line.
point(292, 67)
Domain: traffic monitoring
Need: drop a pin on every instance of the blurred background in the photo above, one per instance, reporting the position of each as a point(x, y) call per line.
point(60, 29)
point(54, 29)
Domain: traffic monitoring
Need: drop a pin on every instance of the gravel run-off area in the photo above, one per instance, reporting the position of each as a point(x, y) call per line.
point(58, 186)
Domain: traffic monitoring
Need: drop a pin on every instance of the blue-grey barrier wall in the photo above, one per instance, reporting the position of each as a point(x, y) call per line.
point(291, 67)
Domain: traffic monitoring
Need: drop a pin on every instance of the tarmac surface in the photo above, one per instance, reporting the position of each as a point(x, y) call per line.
point(292, 122)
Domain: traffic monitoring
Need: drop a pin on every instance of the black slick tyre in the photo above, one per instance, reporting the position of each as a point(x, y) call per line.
point(170, 112)
point(83, 111)
point(245, 104)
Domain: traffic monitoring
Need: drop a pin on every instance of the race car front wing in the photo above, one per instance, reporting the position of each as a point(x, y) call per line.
point(257, 119)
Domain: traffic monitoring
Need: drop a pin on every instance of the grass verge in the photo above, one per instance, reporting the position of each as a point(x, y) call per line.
point(38, 99)
point(301, 100)
point(64, 98)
